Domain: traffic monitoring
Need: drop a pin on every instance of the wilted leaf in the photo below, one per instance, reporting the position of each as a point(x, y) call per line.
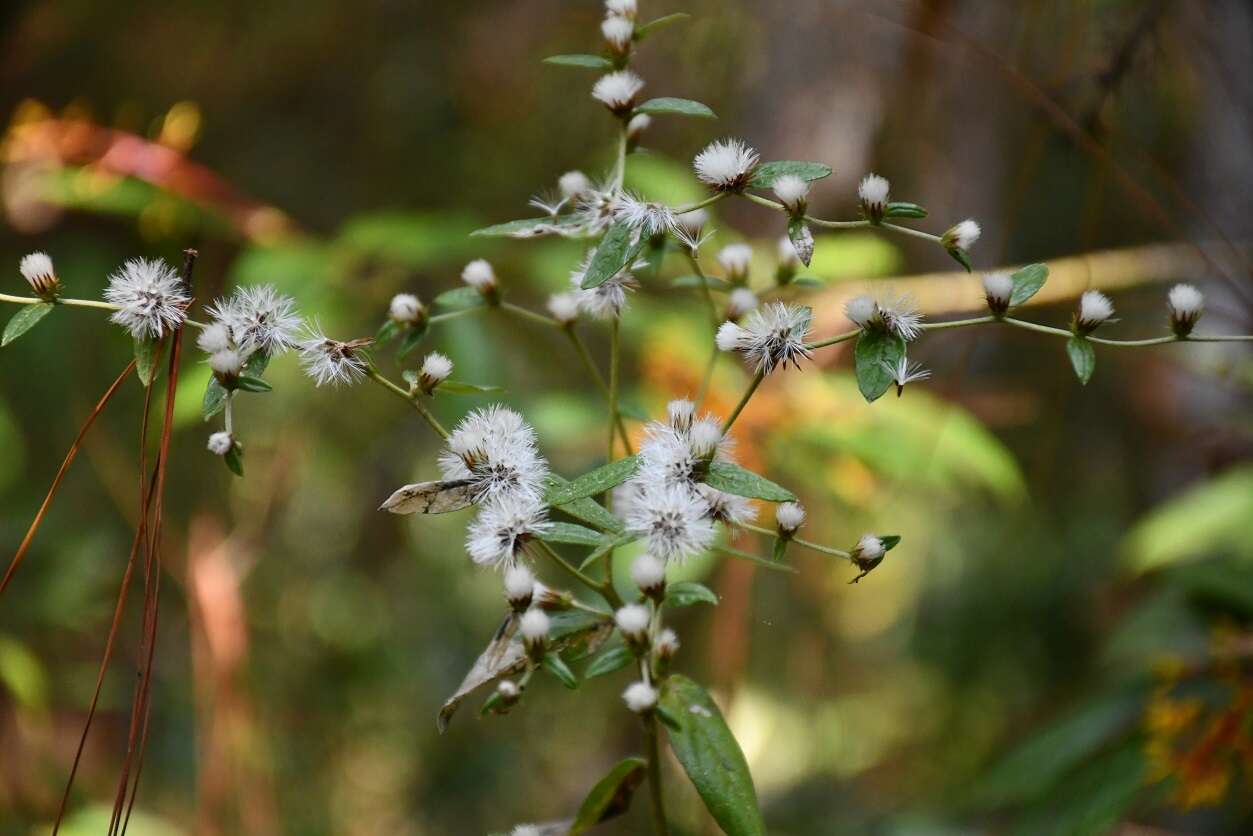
point(802, 239)
point(501, 658)
point(430, 497)
point(611, 796)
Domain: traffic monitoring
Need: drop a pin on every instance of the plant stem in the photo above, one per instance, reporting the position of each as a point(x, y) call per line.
point(700, 204)
point(798, 541)
point(917, 233)
point(605, 589)
point(518, 310)
point(444, 317)
point(614, 327)
point(707, 377)
point(619, 169)
point(838, 338)
point(74, 303)
point(586, 357)
point(739, 407)
point(653, 752)
point(956, 323)
point(411, 399)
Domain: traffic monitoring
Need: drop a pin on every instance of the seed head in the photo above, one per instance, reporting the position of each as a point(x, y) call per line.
point(726, 165)
point(771, 336)
point(330, 361)
point(151, 298)
point(435, 370)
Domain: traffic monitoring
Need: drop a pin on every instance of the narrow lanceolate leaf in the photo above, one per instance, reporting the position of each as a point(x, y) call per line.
point(459, 297)
point(959, 255)
point(767, 173)
point(731, 478)
point(875, 354)
point(608, 544)
point(778, 550)
point(680, 107)
point(256, 364)
point(254, 384)
point(234, 459)
point(585, 510)
point(24, 320)
point(563, 532)
point(1027, 282)
point(500, 658)
point(1082, 358)
point(597, 481)
point(531, 227)
point(412, 336)
point(711, 758)
point(430, 497)
point(613, 659)
point(611, 796)
point(641, 32)
point(458, 387)
point(889, 541)
point(686, 593)
point(615, 251)
point(554, 664)
point(214, 399)
point(802, 239)
point(900, 209)
point(388, 331)
point(147, 353)
point(591, 62)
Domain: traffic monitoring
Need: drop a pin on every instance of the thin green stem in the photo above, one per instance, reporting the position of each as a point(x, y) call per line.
point(763, 201)
point(581, 348)
point(917, 233)
point(619, 169)
point(605, 589)
point(228, 418)
point(73, 303)
point(614, 328)
point(700, 204)
point(518, 310)
point(707, 377)
point(956, 323)
point(409, 398)
point(838, 338)
point(739, 407)
point(836, 224)
point(798, 541)
point(653, 752)
point(460, 312)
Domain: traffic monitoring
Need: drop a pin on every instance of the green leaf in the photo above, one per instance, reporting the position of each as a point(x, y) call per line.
point(876, 352)
point(147, 353)
point(611, 796)
point(586, 510)
point(889, 541)
point(235, 460)
point(214, 398)
point(778, 550)
point(591, 62)
point(900, 209)
point(1082, 358)
point(595, 482)
point(254, 384)
point(959, 255)
point(563, 532)
point(641, 32)
point(24, 320)
point(802, 239)
point(389, 330)
point(554, 664)
point(605, 546)
point(731, 478)
point(1027, 282)
point(712, 759)
point(459, 297)
point(686, 593)
point(256, 364)
point(615, 251)
point(530, 227)
point(613, 659)
point(457, 387)
point(414, 333)
point(767, 173)
point(680, 107)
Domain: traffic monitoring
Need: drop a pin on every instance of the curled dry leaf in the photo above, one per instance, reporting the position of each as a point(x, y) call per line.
point(430, 497)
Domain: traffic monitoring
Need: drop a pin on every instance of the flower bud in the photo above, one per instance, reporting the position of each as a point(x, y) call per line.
point(534, 626)
point(640, 697)
point(623, 8)
point(1186, 306)
point(862, 311)
point(962, 236)
point(618, 32)
point(649, 574)
point(617, 91)
point(519, 587)
point(39, 273)
point(226, 365)
point(509, 693)
point(549, 599)
point(564, 307)
point(406, 308)
point(872, 193)
point(665, 648)
point(789, 261)
point(867, 554)
point(635, 128)
point(221, 443)
point(741, 301)
point(735, 260)
point(633, 621)
point(997, 290)
point(1094, 309)
point(479, 275)
point(435, 370)
point(792, 192)
point(789, 516)
point(574, 184)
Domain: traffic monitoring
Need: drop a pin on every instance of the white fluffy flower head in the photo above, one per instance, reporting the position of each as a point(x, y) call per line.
point(792, 192)
point(771, 336)
point(519, 586)
point(495, 451)
point(1186, 306)
point(727, 507)
point(618, 31)
point(574, 184)
point(790, 516)
point(214, 338)
point(963, 235)
point(869, 547)
point(735, 260)
point(151, 298)
point(617, 91)
point(220, 443)
point(903, 372)
point(861, 310)
point(39, 273)
point(606, 300)
point(898, 316)
point(226, 363)
point(673, 518)
point(405, 307)
point(648, 572)
point(479, 275)
point(435, 370)
point(534, 625)
point(564, 307)
point(639, 123)
point(741, 301)
point(503, 528)
point(260, 319)
point(680, 413)
point(997, 289)
point(873, 194)
point(330, 361)
point(640, 697)
point(625, 8)
point(632, 620)
point(1094, 309)
point(645, 217)
point(789, 259)
point(726, 164)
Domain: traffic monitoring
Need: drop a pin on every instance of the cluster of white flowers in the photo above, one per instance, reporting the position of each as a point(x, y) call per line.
point(150, 297)
point(770, 337)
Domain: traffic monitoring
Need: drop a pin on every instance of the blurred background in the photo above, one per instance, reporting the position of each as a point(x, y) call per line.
point(1061, 644)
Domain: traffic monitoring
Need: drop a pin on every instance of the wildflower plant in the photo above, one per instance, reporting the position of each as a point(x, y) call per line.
point(675, 494)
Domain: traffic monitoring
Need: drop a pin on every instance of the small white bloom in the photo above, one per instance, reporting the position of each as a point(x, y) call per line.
point(509, 692)
point(151, 298)
point(788, 257)
point(625, 8)
point(435, 370)
point(330, 361)
point(792, 192)
point(997, 289)
point(534, 625)
point(667, 644)
point(640, 697)
point(617, 91)
point(494, 450)
point(648, 573)
point(220, 443)
point(503, 528)
point(726, 164)
point(790, 516)
point(869, 547)
point(574, 184)
point(606, 300)
point(564, 306)
point(772, 336)
point(873, 194)
point(672, 518)
point(735, 260)
point(861, 310)
point(638, 124)
point(519, 586)
point(259, 318)
point(39, 273)
point(904, 372)
point(898, 317)
point(633, 620)
point(680, 413)
point(405, 307)
point(618, 32)
point(727, 507)
point(214, 338)
point(704, 438)
point(226, 362)
point(741, 301)
point(1094, 309)
point(963, 235)
point(479, 275)
point(645, 217)
point(1186, 306)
